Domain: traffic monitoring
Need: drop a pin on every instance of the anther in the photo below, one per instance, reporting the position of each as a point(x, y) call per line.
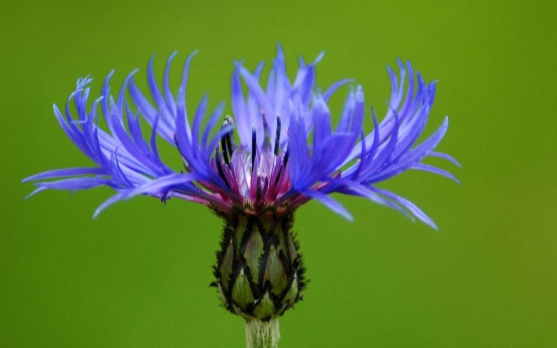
point(278, 175)
point(266, 135)
point(258, 192)
point(229, 138)
point(219, 167)
point(224, 151)
point(286, 157)
point(284, 163)
point(277, 137)
point(253, 146)
point(226, 143)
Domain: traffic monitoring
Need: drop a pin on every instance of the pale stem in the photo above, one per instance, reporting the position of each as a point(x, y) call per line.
point(260, 334)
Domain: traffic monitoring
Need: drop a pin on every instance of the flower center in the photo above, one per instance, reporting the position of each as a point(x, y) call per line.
point(257, 176)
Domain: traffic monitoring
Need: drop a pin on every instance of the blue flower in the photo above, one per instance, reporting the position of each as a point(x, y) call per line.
point(286, 151)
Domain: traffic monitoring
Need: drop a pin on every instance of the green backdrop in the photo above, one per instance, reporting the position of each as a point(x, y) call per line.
point(138, 276)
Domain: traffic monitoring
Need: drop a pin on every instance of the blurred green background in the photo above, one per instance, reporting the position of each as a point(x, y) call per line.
point(138, 275)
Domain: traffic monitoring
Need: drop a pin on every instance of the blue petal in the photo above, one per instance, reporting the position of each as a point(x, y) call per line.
point(65, 172)
point(331, 90)
point(75, 183)
point(329, 203)
point(164, 183)
point(435, 170)
point(240, 109)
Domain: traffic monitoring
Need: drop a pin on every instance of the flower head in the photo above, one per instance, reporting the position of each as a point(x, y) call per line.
point(277, 150)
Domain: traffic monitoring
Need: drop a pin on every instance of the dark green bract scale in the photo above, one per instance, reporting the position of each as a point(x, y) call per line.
point(259, 270)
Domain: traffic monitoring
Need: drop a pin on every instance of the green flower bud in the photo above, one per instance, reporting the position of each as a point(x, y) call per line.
point(259, 270)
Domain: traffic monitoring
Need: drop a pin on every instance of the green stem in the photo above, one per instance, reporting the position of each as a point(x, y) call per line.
point(262, 334)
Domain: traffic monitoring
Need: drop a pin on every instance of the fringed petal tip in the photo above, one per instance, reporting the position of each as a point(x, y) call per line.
point(446, 157)
point(37, 190)
point(117, 197)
